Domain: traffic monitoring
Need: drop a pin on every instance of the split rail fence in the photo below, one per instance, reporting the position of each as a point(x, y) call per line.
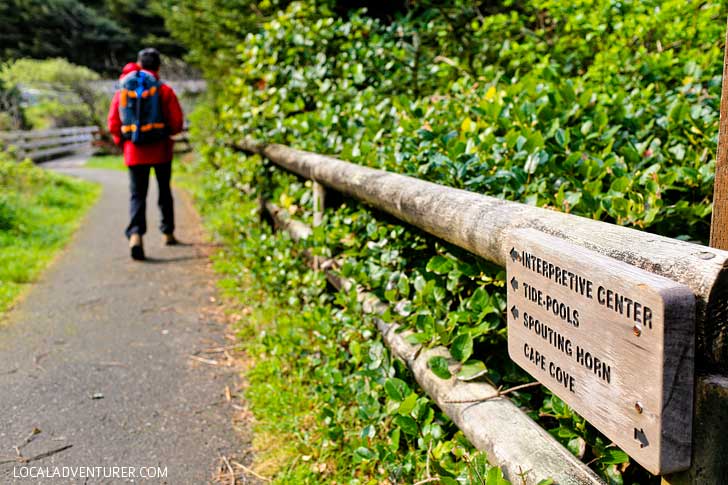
point(46, 144)
point(483, 225)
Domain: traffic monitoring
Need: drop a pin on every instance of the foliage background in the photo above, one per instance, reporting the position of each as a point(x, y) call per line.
point(599, 108)
point(62, 92)
point(99, 34)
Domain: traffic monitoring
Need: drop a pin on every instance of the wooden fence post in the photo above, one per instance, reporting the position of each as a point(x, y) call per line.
point(710, 428)
point(319, 199)
point(719, 222)
point(710, 424)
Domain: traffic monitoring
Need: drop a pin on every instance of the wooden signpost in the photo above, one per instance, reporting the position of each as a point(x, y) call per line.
point(719, 220)
point(613, 341)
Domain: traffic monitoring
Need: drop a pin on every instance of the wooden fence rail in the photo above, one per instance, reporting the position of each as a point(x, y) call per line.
point(44, 144)
point(483, 225)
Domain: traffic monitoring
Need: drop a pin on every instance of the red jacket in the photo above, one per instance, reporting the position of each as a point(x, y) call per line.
point(153, 153)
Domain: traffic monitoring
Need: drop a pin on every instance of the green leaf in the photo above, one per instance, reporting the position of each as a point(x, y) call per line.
point(531, 163)
point(462, 347)
point(586, 128)
point(408, 404)
point(678, 151)
point(407, 424)
point(613, 475)
point(577, 446)
point(439, 265)
point(471, 370)
point(621, 185)
point(420, 283)
point(495, 477)
point(426, 135)
point(614, 456)
point(396, 389)
point(403, 286)
point(394, 439)
point(560, 137)
point(438, 366)
point(365, 453)
point(479, 301)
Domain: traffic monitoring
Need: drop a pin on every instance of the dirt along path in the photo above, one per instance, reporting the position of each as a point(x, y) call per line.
point(108, 362)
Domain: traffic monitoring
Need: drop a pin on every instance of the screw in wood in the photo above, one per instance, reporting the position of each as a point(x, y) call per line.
point(638, 407)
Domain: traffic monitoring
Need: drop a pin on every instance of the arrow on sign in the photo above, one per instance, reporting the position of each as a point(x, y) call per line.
point(514, 283)
point(640, 436)
point(514, 254)
point(514, 311)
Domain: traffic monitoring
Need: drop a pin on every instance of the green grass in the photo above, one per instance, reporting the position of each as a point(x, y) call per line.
point(39, 211)
point(106, 162)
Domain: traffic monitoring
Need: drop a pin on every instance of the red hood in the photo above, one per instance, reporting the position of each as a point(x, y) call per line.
point(133, 66)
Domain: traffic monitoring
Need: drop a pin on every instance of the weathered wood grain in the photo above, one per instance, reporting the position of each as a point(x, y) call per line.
point(480, 224)
point(297, 229)
point(613, 341)
point(719, 223)
point(710, 429)
point(525, 451)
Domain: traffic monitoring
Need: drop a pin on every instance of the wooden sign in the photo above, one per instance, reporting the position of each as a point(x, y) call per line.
point(615, 342)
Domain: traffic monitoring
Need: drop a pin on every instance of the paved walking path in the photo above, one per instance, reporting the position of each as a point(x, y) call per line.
point(97, 354)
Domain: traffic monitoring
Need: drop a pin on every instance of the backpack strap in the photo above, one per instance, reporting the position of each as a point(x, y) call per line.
point(141, 75)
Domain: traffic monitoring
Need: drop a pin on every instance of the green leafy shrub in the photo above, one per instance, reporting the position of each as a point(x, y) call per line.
point(604, 109)
point(63, 94)
point(12, 115)
point(8, 213)
point(54, 114)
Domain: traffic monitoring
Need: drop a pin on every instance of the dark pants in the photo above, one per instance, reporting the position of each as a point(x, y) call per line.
point(138, 186)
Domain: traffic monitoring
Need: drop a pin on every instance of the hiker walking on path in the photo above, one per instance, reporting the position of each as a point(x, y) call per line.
point(143, 116)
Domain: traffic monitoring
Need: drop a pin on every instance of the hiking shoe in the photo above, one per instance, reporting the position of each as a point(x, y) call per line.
point(136, 248)
point(169, 240)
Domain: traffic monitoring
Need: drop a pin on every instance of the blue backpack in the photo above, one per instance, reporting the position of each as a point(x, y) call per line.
point(140, 108)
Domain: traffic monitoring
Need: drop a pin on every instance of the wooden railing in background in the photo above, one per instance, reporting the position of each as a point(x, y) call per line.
point(182, 142)
point(46, 144)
